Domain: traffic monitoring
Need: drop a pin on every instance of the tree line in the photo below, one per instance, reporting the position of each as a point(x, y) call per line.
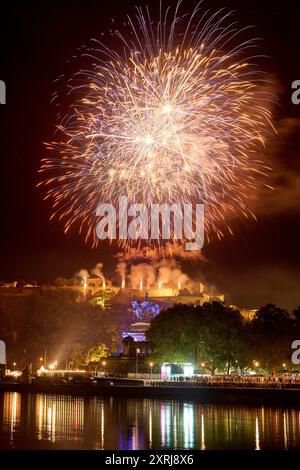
point(58, 322)
point(217, 338)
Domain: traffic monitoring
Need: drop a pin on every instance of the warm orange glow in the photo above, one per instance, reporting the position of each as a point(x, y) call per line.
point(163, 124)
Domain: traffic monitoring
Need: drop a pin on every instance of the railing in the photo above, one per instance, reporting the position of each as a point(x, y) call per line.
point(226, 382)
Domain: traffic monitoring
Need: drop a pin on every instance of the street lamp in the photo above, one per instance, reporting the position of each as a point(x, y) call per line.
point(14, 364)
point(151, 367)
point(137, 352)
point(284, 364)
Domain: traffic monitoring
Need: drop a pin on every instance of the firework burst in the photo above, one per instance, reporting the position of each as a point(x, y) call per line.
point(174, 114)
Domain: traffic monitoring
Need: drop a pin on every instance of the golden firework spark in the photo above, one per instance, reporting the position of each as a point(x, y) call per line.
point(176, 117)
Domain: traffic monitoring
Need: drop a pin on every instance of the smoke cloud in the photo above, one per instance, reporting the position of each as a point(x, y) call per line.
point(97, 271)
point(82, 273)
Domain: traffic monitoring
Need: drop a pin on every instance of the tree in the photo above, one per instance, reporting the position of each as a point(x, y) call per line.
point(80, 355)
point(271, 330)
point(77, 355)
point(197, 334)
point(54, 320)
point(173, 336)
point(245, 348)
point(96, 353)
point(219, 329)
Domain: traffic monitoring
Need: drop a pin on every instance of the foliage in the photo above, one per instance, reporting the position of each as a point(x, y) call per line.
point(55, 320)
point(272, 328)
point(81, 355)
point(96, 353)
point(221, 338)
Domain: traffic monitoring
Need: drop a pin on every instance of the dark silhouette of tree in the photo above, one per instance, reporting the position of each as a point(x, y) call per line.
point(173, 335)
point(271, 329)
point(56, 319)
point(220, 327)
point(209, 334)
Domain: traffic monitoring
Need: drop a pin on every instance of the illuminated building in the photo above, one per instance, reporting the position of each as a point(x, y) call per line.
point(169, 370)
point(135, 339)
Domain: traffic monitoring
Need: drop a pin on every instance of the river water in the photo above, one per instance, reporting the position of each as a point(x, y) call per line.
point(29, 421)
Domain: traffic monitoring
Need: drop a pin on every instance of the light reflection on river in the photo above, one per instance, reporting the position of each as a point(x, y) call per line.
point(29, 421)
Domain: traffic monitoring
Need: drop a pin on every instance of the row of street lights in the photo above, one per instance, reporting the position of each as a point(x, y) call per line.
point(53, 366)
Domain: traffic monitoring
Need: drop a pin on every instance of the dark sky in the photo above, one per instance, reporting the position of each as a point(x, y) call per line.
point(260, 263)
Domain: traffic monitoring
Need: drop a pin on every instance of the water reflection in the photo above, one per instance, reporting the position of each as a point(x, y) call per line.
point(64, 422)
point(55, 413)
point(11, 413)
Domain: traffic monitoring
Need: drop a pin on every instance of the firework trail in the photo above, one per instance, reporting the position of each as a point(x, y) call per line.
point(173, 114)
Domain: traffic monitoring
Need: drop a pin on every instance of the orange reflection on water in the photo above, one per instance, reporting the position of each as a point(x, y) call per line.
point(59, 417)
point(56, 421)
point(11, 413)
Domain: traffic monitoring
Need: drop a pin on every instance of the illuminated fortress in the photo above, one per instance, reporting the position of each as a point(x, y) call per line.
point(103, 293)
point(93, 287)
point(138, 300)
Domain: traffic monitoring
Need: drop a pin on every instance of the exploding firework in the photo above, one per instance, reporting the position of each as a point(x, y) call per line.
point(174, 114)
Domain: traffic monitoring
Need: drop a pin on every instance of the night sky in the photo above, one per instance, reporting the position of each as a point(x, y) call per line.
point(260, 263)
